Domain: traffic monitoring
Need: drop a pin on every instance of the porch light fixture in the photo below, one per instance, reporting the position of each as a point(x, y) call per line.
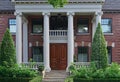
point(57, 3)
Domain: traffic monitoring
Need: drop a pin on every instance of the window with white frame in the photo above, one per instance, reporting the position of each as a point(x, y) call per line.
point(37, 53)
point(106, 25)
point(109, 49)
point(82, 54)
point(12, 25)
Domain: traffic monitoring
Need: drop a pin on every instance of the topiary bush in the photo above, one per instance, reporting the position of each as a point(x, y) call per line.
point(7, 53)
point(99, 51)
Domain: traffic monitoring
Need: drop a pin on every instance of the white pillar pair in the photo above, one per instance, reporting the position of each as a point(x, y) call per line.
point(25, 40)
point(46, 40)
point(19, 44)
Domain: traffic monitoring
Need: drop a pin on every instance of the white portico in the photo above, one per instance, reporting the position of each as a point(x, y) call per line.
point(41, 7)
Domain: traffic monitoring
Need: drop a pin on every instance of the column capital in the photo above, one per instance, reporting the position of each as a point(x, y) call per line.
point(24, 20)
point(98, 13)
point(18, 13)
point(46, 13)
point(70, 13)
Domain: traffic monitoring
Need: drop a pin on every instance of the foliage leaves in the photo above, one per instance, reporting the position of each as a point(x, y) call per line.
point(57, 3)
point(112, 71)
point(7, 53)
point(99, 50)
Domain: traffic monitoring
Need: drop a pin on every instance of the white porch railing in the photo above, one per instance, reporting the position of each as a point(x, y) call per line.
point(58, 33)
point(58, 36)
point(81, 64)
point(32, 65)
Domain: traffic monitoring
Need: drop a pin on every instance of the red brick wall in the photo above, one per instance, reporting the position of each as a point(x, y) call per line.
point(87, 38)
point(33, 38)
point(116, 35)
point(84, 37)
point(4, 18)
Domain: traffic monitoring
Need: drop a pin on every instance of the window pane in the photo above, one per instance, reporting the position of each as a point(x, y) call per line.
point(13, 28)
point(82, 25)
point(37, 28)
point(82, 54)
point(12, 21)
point(37, 25)
point(106, 28)
point(106, 25)
point(12, 25)
point(37, 54)
point(109, 54)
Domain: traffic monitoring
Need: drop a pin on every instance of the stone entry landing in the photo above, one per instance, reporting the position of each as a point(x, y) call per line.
point(55, 76)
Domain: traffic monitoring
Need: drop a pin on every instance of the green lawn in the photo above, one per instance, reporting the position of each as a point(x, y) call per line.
point(37, 79)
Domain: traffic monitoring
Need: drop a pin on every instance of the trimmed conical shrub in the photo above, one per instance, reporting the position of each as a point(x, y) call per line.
point(7, 57)
point(99, 50)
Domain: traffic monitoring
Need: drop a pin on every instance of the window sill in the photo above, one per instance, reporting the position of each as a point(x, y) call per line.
point(82, 33)
point(108, 34)
point(13, 33)
point(36, 34)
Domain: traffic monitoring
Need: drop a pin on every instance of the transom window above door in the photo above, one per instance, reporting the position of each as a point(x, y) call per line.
point(37, 25)
point(58, 22)
point(82, 25)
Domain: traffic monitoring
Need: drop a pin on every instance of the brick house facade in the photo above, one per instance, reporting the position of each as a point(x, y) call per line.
point(32, 38)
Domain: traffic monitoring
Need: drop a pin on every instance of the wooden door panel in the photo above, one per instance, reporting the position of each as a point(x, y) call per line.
point(53, 57)
point(58, 56)
point(63, 57)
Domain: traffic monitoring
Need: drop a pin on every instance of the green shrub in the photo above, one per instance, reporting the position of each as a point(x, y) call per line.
point(112, 71)
point(84, 72)
point(95, 80)
point(17, 72)
point(7, 57)
point(72, 68)
point(69, 79)
point(10, 79)
point(40, 68)
point(98, 74)
point(99, 51)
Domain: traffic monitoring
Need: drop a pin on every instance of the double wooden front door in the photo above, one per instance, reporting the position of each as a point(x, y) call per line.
point(58, 56)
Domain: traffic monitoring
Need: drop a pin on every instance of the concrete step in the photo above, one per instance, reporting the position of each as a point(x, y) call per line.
point(53, 80)
point(55, 76)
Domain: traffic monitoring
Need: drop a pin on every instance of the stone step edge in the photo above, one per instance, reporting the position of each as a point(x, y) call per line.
point(55, 77)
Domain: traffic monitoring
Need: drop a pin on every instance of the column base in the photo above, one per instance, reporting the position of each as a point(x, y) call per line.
point(67, 69)
point(47, 69)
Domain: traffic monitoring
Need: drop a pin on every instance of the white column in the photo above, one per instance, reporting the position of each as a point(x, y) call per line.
point(19, 37)
point(98, 17)
point(70, 39)
point(25, 40)
point(93, 26)
point(95, 21)
point(46, 43)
